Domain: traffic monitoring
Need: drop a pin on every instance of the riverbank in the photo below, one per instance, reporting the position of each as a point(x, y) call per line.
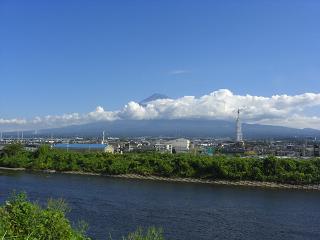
point(313, 187)
point(221, 182)
point(171, 166)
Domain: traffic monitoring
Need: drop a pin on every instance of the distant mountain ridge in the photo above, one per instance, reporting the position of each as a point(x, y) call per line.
point(179, 128)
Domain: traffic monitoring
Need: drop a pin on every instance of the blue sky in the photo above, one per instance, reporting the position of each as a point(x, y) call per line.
point(70, 56)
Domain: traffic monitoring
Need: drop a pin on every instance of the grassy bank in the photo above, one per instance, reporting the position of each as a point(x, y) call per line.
point(270, 169)
point(21, 219)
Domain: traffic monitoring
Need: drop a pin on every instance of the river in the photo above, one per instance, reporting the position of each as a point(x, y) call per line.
point(184, 211)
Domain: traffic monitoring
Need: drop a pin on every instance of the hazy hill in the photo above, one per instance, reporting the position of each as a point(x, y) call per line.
point(178, 128)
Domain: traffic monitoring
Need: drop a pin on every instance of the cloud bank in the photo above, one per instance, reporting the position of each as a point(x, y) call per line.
point(282, 110)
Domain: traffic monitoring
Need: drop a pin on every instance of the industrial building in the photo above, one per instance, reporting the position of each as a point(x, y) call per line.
point(179, 145)
point(163, 148)
point(77, 147)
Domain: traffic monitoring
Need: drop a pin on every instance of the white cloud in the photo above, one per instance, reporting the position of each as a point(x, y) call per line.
point(178, 72)
point(12, 121)
point(281, 110)
point(100, 115)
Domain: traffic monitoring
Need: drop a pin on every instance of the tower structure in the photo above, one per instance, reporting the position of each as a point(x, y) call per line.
point(103, 138)
point(239, 137)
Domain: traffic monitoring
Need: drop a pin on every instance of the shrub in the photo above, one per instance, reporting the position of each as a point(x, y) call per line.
point(21, 219)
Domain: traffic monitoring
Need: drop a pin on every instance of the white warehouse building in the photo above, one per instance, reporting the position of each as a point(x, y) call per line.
point(179, 145)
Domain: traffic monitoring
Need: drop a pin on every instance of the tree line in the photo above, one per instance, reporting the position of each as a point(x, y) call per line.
point(273, 169)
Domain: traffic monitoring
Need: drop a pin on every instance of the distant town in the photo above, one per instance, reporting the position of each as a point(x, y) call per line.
point(284, 148)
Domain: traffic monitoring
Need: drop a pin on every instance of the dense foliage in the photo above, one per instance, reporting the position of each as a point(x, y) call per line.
point(168, 165)
point(21, 219)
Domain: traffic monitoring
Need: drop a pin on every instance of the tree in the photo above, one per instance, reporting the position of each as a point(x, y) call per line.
point(13, 149)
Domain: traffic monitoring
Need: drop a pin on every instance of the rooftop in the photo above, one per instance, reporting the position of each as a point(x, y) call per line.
point(80, 146)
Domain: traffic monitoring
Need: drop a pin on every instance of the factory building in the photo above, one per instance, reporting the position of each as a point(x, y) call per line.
point(163, 148)
point(180, 145)
point(77, 147)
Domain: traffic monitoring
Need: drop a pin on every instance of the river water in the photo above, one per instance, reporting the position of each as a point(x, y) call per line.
point(184, 211)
